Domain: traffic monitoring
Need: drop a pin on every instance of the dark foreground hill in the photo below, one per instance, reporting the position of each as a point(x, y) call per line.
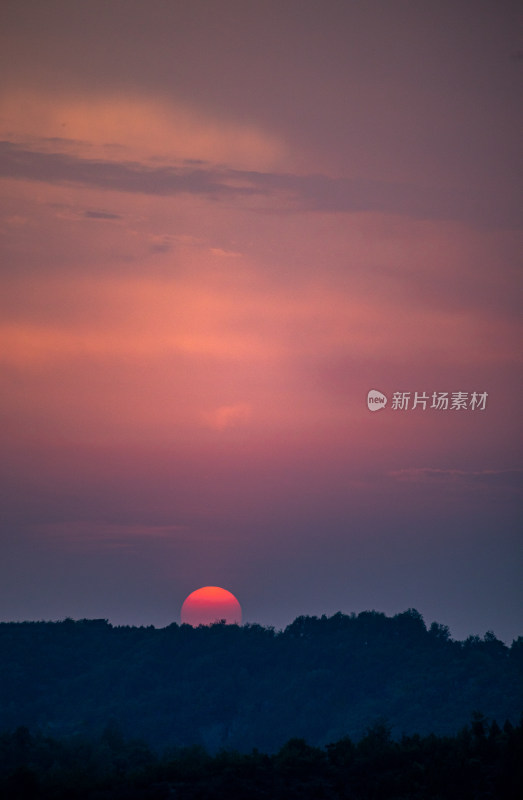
point(482, 761)
point(244, 687)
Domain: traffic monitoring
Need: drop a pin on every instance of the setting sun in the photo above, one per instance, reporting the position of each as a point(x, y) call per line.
point(211, 604)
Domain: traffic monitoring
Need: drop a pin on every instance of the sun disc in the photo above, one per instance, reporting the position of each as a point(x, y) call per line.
point(211, 604)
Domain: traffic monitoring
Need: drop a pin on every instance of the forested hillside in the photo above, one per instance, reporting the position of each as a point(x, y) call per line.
point(244, 687)
point(481, 761)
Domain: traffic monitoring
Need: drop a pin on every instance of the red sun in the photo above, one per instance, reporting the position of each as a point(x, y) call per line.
point(211, 604)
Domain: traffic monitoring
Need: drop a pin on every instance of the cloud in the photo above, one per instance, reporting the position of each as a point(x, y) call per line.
point(139, 128)
point(230, 310)
point(91, 530)
point(220, 253)
point(511, 478)
point(225, 417)
point(314, 192)
point(296, 192)
point(20, 163)
point(101, 215)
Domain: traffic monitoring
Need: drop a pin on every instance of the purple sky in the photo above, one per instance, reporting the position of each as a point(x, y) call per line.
point(223, 223)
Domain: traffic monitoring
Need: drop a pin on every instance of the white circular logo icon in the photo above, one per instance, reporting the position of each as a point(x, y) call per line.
point(376, 400)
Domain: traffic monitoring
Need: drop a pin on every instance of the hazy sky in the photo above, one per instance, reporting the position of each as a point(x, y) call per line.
point(222, 224)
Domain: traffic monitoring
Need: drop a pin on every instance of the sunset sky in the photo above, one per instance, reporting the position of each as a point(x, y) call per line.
point(222, 223)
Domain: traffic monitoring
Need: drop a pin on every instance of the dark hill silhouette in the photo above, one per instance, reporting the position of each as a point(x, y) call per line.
point(242, 687)
point(481, 761)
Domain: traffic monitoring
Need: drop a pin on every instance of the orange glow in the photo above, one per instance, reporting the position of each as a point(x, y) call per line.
point(144, 126)
point(211, 604)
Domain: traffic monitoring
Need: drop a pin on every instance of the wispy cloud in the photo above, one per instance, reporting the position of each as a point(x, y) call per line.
point(293, 192)
point(101, 215)
point(230, 416)
point(512, 478)
point(20, 163)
